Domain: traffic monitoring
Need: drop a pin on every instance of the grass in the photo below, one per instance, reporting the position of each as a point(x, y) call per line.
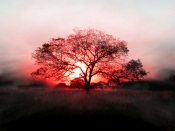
point(31, 109)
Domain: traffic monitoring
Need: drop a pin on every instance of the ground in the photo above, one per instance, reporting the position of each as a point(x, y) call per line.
point(46, 108)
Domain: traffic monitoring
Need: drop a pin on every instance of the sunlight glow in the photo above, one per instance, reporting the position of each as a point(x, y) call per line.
point(77, 71)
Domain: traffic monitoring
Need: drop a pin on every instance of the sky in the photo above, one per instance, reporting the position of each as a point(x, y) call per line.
point(148, 26)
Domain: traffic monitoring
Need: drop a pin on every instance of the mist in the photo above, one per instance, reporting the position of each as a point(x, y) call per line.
point(14, 80)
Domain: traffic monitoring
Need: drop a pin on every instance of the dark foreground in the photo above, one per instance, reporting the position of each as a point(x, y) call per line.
point(54, 109)
point(91, 121)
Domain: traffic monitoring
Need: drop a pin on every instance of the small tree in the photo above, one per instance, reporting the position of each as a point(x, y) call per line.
point(134, 70)
point(131, 71)
point(77, 82)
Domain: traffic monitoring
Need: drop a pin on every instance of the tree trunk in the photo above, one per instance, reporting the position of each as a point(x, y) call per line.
point(87, 85)
point(88, 80)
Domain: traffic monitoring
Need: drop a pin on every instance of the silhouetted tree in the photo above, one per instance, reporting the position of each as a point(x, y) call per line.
point(131, 71)
point(102, 54)
point(77, 82)
point(61, 85)
point(134, 70)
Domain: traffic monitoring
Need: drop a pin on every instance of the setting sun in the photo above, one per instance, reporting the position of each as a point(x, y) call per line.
point(77, 71)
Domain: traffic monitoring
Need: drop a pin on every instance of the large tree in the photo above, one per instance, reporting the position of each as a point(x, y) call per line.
point(100, 53)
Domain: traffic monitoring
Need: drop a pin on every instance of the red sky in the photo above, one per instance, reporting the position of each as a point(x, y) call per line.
point(147, 26)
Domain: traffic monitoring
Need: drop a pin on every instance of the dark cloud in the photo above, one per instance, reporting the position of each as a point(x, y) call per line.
point(166, 73)
point(12, 79)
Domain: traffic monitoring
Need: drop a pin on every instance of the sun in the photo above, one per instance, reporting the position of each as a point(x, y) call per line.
point(76, 72)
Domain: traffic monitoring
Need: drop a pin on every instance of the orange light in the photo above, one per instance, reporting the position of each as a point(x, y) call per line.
point(77, 71)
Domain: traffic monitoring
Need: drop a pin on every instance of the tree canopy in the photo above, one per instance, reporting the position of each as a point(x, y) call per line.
point(130, 71)
point(99, 53)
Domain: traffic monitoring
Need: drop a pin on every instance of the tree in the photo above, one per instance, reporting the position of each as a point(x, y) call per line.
point(100, 53)
point(134, 70)
point(77, 82)
point(131, 71)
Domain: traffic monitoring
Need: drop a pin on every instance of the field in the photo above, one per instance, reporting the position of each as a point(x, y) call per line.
point(117, 109)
